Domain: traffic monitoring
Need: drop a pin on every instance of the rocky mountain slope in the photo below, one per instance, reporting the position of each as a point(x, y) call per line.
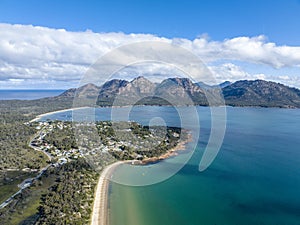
point(182, 91)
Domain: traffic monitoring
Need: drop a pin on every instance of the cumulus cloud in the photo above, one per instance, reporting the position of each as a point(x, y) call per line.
point(231, 72)
point(34, 55)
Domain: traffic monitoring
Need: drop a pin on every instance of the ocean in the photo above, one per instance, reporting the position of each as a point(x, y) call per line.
point(254, 180)
point(27, 94)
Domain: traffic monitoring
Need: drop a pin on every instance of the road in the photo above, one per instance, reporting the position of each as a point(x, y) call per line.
point(37, 148)
point(28, 182)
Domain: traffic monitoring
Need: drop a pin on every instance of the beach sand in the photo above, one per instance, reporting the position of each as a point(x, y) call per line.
point(58, 111)
point(99, 214)
point(100, 208)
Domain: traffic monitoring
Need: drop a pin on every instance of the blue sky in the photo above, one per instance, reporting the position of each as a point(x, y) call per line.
point(214, 20)
point(277, 19)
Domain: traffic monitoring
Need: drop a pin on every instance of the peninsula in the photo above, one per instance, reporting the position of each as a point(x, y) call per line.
point(71, 147)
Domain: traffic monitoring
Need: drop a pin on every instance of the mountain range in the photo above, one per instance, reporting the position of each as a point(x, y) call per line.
point(182, 91)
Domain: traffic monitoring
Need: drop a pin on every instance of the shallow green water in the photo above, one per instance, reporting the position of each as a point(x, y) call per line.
point(255, 178)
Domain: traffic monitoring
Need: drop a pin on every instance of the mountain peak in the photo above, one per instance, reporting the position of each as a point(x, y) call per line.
point(180, 90)
point(261, 93)
point(140, 79)
point(139, 85)
point(183, 82)
point(225, 84)
point(114, 83)
point(89, 85)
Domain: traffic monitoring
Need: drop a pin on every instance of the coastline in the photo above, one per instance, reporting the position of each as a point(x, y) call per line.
point(99, 215)
point(38, 117)
point(100, 206)
point(181, 146)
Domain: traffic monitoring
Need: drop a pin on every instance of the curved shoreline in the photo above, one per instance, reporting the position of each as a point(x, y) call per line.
point(171, 152)
point(38, 117)
point(100, 206)
point(99, 215)
point(100, 209)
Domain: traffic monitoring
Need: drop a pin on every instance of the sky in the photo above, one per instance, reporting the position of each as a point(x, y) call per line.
point(51, 44)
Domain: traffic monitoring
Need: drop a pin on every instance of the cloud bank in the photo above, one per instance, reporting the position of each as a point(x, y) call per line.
point(32, 56)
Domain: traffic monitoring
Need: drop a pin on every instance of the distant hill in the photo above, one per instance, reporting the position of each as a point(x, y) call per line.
point(225, 84)
point(206, 86)
point(182, 91)
point(261, 93)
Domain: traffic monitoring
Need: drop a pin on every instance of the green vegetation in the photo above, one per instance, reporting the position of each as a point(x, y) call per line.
point(122, 140)
point(9, 181)
point(63, 137)
point(24, 208)
point(64, 193)
point(15, 135)
point(14, 150)
point(70, 199)
point(16, 156)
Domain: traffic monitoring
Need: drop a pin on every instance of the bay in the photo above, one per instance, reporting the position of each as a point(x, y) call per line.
point(255, 178)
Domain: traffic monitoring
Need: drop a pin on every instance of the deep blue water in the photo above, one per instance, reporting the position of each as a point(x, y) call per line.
point(27, 94)
point(254, 180)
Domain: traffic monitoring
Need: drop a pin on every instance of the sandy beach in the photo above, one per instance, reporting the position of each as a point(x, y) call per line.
point(58, 111)
point(100, 207)
point(100, 210)
point(99, 214)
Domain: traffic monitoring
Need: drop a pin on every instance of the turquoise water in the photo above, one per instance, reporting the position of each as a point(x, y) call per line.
point(255, 179)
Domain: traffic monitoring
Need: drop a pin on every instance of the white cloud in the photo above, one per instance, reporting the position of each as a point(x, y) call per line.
point(232, 72)
point(290, 80)
point(249, 49)
point(229, 72)
point(34, 55)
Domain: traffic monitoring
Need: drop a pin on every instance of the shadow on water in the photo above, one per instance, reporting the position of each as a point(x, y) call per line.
point(268, 206)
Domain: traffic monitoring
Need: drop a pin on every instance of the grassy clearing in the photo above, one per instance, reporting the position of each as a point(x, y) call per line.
point(25, 206)
point(9, 181)
point(6, 191)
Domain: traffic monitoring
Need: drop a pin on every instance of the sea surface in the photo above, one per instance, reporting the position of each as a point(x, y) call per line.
point(27, 94)
point(254, 180)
